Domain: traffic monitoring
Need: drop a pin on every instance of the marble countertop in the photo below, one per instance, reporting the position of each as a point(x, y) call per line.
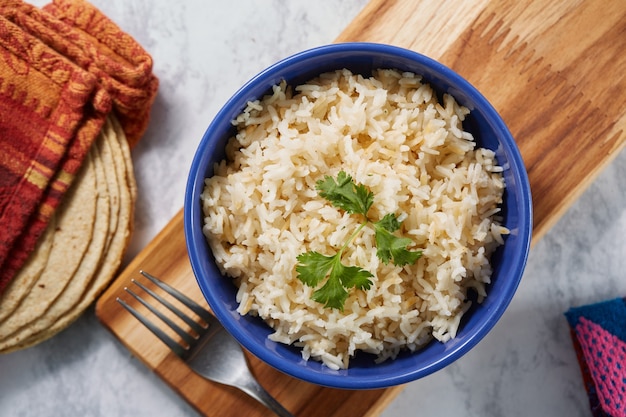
point(202, 52)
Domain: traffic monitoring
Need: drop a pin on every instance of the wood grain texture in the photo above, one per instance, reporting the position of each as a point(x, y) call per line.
point(555, 71)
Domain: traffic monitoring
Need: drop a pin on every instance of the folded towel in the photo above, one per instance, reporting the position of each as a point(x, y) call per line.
point(599, 335)
point(63, 68)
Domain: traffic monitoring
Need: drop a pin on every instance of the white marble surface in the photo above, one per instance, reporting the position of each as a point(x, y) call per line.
point(203, 51)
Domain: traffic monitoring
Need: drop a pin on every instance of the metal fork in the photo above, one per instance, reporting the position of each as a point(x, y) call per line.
point(211, 352)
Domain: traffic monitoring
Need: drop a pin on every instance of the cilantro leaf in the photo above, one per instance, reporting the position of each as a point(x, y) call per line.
point(332, 294)
point(390, 246)
point(353, 276)
point(389, 222)
point(345, 194)
point(313, 267)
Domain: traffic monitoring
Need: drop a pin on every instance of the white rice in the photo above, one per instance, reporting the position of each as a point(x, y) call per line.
point(389, 133)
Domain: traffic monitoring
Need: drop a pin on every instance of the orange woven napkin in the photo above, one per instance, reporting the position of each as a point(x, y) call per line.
point(63, 68)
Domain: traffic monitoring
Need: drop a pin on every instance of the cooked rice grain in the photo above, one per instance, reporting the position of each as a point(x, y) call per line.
point(391, 134)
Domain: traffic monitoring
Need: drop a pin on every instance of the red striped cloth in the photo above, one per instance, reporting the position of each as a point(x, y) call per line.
point(62, 70)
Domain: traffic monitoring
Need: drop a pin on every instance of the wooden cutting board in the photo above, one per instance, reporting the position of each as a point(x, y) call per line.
point(556, 71)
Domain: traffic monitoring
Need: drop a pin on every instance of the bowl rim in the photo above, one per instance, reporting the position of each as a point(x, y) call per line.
point(192, 210)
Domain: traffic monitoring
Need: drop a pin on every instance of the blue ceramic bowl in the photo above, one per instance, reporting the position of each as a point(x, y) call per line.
point(508, 262)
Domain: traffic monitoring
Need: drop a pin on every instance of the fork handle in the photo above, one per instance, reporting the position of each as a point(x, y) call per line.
point(256, 391)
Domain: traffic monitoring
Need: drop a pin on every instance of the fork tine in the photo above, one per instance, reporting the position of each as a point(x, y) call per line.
point(190, 322)
point(193, 306)
point(214, 355)
point(182, 333)
point(171, 343)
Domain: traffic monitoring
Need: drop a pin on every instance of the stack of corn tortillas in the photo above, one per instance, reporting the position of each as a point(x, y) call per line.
point(80, 251)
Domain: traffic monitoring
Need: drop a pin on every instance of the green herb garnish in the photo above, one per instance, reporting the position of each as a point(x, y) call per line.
point(313, 266)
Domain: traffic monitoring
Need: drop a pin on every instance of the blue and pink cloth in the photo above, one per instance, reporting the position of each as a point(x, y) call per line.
point(599, 335)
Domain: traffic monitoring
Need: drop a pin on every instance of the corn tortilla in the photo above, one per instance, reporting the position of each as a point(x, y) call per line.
point(72, 238)
point(121, 185)
point(22, 283)
point(85, 271)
